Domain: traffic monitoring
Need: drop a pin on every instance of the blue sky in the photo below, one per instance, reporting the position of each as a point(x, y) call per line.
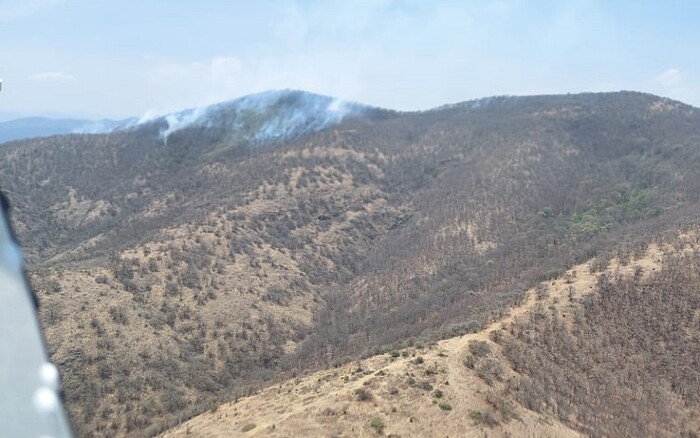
point(119, 58)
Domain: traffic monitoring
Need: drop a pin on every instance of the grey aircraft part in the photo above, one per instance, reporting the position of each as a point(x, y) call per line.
point(30, 405)
point(30, 402)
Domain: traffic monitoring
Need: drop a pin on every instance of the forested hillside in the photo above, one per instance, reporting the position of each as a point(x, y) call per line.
point(608, 349)
point(178, 271)
point(626, 362)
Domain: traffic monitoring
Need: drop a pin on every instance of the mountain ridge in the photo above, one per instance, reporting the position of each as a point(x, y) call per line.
point(274, 115)
point(324, 111)
point(295, 113)
point(172, 274)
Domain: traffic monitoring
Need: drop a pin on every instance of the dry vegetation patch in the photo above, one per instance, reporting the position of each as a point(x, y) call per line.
point(471, 384)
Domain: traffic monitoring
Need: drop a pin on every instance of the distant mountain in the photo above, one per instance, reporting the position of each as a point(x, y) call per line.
point(31, 127)
point(277, 115)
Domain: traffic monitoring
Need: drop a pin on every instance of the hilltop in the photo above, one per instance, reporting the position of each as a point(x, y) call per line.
point(271, 116)
point(179, 268)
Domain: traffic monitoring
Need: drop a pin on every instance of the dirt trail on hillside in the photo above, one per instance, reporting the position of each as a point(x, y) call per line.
point(415, 392)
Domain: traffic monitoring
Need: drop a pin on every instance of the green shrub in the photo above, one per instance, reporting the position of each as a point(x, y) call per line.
point(444, 405)
point(377, 424)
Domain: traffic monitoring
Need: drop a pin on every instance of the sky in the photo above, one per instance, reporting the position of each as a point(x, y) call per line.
point(122, 58)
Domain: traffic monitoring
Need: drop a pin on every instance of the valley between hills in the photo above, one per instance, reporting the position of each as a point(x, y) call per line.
point(292, 264)
point(461, 386)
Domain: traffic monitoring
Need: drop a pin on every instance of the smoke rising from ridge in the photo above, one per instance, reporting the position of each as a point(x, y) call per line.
point(267, 116)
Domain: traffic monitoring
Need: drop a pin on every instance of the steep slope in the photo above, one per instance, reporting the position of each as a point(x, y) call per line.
point(176, 269)
point(470, 385)
point(624, 361)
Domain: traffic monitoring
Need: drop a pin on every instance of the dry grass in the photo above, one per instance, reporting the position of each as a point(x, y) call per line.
point(466, 403)
point(327, 403)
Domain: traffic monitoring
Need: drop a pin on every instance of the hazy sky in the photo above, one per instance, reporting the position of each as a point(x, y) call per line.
point(118, 58)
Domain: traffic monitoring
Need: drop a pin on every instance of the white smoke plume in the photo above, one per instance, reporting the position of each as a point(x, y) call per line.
point(271, 115)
